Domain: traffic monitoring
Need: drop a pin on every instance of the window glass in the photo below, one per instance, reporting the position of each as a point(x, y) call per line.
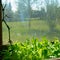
point(31, 18)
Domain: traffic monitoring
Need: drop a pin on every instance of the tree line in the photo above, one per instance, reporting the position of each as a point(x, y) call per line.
point(24, 10)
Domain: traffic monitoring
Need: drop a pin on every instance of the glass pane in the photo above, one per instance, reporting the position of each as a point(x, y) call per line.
point(31, 18)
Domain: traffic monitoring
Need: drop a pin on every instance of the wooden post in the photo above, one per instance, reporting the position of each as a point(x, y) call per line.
point(0, 29)
point(0, 25)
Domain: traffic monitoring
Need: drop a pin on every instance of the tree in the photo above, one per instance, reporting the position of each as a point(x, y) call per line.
point(0, 26)
point(1, 43)
point(42, 14)
point(9, 12)
point(51, 6)
point(58, 13)
point(24, 9)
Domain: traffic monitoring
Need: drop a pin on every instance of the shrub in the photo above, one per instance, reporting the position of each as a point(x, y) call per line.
point(33, 50)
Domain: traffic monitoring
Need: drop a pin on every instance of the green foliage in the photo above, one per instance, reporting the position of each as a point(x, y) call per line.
point(33, 50)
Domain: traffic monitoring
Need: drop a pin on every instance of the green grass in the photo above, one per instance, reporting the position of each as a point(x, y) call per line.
point(20, 30)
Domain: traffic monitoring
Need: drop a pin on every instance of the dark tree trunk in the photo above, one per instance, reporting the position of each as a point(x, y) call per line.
point(0, 24)
point(0, 29)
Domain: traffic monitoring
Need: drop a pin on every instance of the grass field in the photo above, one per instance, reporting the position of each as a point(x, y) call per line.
point(20, 30)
